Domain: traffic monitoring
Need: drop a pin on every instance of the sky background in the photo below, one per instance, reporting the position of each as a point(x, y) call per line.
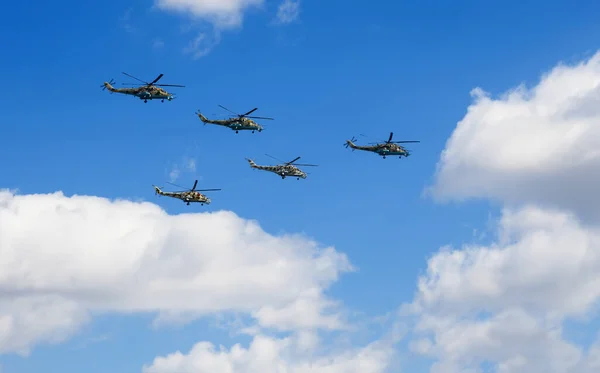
point(329, 71)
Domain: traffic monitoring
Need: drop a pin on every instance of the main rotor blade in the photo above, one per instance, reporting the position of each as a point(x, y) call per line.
point(228, 110)
point(277, 159)
point(194, 187)
point(156, 80)
point(169, 85)
point(178, 186)
point(251, 111)
point(391, 135)
point(131, 76)
point(295, 159)
point(207, 190)
point(259, 117)
point(304, 164)
point(405, 141)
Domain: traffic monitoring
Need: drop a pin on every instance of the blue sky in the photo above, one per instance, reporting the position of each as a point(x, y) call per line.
point(336, 71)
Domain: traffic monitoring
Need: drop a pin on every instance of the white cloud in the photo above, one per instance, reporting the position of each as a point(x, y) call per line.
point(222, 13)
point(288, 11)
point(62, 257)
point(187, 165)
point(203, 44)
point(505, 305)
point(270, 355)
point(538, 145)
point(546, 262)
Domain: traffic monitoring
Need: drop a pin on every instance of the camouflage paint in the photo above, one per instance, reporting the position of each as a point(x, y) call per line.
point(382, 149)
point(284, 171)
point(236, 124)
point(144, 92)
point(187, 197)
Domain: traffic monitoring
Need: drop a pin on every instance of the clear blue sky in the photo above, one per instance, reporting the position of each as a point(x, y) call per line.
point(340, 70)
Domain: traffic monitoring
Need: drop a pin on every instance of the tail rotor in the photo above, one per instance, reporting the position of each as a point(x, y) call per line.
point(199, 114)
point(346, 144)
point(111, 82)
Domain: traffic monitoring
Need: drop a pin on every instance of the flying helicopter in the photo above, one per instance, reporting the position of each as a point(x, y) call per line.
point(285, 169)
point(242, 122)
point(383, 149)
point(187, 196)
point(146, 91)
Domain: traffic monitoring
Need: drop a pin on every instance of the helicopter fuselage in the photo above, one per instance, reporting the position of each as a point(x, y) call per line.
point(186, 197)
point(281, 170)
point(385, 149)
point(144, 93)
point(236, 124)
point(391, 149)
point(244, 125)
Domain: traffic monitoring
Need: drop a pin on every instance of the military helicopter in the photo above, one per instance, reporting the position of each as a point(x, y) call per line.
point(242, 122)
point(383, 149)
point(187, 196)
point(285, 169)
point(147, 91)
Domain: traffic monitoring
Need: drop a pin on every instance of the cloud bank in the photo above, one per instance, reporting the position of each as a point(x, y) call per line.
point(62, 257)
point(270, 355)
point(506, 305)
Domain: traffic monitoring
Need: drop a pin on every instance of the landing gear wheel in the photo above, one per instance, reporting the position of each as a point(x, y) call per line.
point(236, 131)
point(252, 131)
point(162, 100)
point(145, 101)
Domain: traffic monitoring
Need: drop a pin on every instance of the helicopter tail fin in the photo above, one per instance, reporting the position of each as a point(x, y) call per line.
point(108, 86)
point(252, 164)
point(350, 144)
point(202, 117)
point(157, 190)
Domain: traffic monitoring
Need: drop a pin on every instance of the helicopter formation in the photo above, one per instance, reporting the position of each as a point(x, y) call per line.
point(242, 122)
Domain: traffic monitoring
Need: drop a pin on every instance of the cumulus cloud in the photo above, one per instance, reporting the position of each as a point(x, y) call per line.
point(62, 257)
point(270, 355)
point(545, 262)
point(538, 145)
point(222, 13)
point(506, 303)
point(504, 307)
point(288, 11)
